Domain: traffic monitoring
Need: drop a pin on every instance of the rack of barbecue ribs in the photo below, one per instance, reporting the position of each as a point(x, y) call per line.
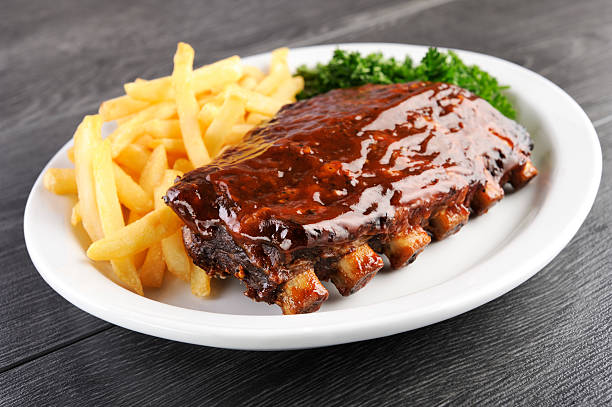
point(330, 184)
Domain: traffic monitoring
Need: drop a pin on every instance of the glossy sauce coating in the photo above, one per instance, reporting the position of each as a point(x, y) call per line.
point(341, 165)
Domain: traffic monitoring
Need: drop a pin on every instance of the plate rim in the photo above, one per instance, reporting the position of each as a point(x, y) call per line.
point(339, 326)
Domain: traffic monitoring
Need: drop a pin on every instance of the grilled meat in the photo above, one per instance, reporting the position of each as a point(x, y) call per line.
point(333, 182)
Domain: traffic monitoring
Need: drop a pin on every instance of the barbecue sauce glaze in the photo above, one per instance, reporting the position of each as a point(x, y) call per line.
point(344, 165)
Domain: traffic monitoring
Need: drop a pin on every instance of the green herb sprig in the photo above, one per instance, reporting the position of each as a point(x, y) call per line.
point(347, 69)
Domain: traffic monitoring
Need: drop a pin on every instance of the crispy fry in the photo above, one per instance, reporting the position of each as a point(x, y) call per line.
point(137, 236)
point(109, 210)
point(75, 214)
point(207, 77)
point(158, 128)
point(140, 256)
point(166, 181)
point(127, 132)
point(131, 195)
point(152, 270)
point(122, 106)
point(176, 258)
point(217, 75)
point(279, 71)
point(153, 91)
point(248, 82)
point(237, 133)
point(70, 154)
point(153, 170)
point(187, 105)
point(229, 114)
point(256, 118)
point(254, 72)
point(86, 139)
point(61, 181)
point(287, 89)
point(200, 281)
point(207, 114)
point(144, 140)
point(258, 103)
point(134, 158)
point(172, 145)
point(182, 165)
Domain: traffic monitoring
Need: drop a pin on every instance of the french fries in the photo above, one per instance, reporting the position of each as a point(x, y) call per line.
point(122, 106)
point(230, 113)
point(86, 139)
point(152, 270)
point(187, 105)
point(61, 181)
point(131, 195)
point(109, 211)
point(153, 170)
point(165, 128)
point(200, 282)
point(137, 236)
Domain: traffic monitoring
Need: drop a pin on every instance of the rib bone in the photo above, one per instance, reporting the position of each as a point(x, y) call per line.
point(356, 269)
point(485, 198)
point(522, 175)
point(448, 221)
point(404, 248)
point(303, 293)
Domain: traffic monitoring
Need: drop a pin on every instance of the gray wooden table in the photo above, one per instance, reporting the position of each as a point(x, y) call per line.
point(545, 343)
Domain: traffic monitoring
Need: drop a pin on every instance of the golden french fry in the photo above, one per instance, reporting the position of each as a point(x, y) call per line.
point(172, 145)
point(182, 165)
point(61, 181)
point(144, 140)
point(207, 114)
point(139, 257)
point(134, 158)
point(253, 71)
point(120, 107)
point(229, 114)
point(256, 118)
point(237, 133)
point(152, 270)
point(86, 139)
point(127, 132)
point(131, 195)
point(279, 71)
point(75, 215)
point(258, 103)
point(165, 182)
point(176, 258)
point(70, 154)
point(158, 128)
point(137, 236)
point(248, 82)
point(187, 105)
point(109, 210)
point(220, 73)
point(200, 281)
point(153, 170)
point(287, 89)
point(153, 91)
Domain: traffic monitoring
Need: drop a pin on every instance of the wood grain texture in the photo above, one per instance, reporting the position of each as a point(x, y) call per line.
point(545, 343)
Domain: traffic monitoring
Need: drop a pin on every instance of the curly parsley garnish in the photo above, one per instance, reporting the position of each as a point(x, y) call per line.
point(347, 69)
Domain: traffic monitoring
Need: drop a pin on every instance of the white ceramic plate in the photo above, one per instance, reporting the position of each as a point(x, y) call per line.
point(490, 256)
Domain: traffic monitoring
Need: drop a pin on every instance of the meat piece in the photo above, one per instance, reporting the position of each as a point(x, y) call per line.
point(330, 182)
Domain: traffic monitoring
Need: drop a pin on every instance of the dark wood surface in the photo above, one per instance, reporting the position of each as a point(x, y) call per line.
point(548, 342)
